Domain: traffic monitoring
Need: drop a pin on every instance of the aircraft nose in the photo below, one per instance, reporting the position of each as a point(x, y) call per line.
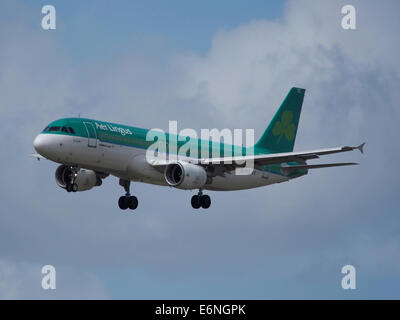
point(40, 144)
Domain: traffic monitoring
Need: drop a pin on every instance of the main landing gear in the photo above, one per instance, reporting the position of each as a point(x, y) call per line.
point(201, 200)
point(70, 185)
point(127, 201)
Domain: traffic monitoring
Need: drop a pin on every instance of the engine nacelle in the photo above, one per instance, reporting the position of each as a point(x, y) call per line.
point(185, 175)
point(85, 179)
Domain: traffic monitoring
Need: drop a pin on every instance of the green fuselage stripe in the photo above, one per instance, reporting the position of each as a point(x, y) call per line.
point(119, 134)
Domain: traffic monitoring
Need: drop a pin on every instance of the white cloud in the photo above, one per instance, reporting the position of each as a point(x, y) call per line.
point(249, 69)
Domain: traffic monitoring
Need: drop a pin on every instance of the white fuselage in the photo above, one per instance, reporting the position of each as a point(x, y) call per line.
point(130, 163)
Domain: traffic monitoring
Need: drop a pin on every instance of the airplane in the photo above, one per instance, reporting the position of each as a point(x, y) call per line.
point(89, 150)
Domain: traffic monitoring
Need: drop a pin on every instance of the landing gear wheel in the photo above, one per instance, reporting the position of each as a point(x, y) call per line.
point(127, 201)
point(133, 202)
point(123, 203)
point(196, 202)
point(68, 187)
point(74, 187)
point(205, 201)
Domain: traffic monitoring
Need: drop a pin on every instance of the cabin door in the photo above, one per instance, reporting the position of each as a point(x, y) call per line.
point(92, 135)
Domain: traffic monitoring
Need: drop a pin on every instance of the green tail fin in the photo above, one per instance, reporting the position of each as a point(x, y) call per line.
point(280, 134)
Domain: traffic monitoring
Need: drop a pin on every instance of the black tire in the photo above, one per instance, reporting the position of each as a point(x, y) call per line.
point(68, 187)
point(205, 201)
point(195, 202)
point(133, 202)
point(123, 203)
point(74, 187)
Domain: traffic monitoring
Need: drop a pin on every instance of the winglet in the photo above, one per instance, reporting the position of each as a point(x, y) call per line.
point(361, 147)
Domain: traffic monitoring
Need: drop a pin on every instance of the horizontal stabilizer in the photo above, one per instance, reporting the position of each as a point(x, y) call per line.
point(323, 165)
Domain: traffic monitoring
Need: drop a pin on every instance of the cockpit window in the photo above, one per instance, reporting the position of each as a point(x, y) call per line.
point(57, 129)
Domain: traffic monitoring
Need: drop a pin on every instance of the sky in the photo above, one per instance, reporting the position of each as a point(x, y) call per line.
point(206, 64)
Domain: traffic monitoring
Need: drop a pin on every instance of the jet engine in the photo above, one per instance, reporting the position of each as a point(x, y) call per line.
point(185, 175)
point(83, 178)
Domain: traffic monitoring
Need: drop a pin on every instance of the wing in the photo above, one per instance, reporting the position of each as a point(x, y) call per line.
point(274, 158)
point(230, 163)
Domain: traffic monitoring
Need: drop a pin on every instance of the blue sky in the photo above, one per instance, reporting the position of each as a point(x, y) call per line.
point(206, 64)
point(92, 29)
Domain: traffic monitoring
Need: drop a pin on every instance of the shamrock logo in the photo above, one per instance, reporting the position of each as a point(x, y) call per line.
point(285, 127)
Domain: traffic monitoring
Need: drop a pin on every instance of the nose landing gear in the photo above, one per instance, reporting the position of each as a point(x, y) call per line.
point(70, 185)
point(201, 200)
point(127, 201)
